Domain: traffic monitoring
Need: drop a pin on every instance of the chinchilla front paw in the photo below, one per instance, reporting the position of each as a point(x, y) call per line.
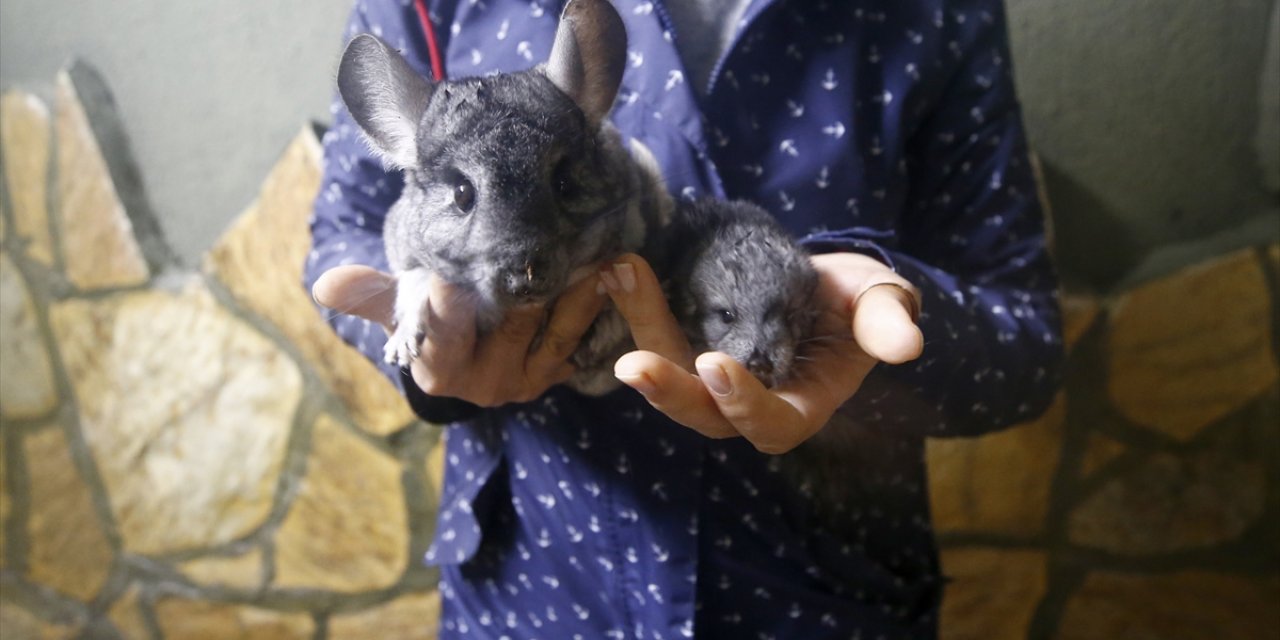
point(402, 346)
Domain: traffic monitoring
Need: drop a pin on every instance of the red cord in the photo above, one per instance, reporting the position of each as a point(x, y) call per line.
point(433, 49)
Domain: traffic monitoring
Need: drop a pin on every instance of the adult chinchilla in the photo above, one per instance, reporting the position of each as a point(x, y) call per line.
point(512, 182)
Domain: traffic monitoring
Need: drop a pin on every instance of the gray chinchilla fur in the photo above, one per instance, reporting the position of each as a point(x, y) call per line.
point(512, 182)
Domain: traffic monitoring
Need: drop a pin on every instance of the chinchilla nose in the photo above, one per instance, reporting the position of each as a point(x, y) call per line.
point(528, 278)
point(760, 366)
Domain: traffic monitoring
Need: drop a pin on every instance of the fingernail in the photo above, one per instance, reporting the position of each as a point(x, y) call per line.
point(626, 276)
point(609, 281)
point(600, 288)
point(715, 378)
point(638, 381)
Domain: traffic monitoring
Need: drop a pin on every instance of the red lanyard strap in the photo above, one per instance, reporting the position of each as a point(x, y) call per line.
point(433, 49)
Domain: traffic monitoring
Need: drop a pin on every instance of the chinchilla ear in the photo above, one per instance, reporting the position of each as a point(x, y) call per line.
point(385, 96)
point(589, 55)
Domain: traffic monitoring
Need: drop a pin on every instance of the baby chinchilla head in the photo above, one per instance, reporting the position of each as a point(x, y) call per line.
point(751, 289)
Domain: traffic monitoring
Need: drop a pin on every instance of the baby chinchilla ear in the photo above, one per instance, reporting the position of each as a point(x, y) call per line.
point(588, 56)
point(385, 96)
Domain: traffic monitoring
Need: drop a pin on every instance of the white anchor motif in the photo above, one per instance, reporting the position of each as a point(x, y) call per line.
point(636, 58)
point(674, 77)
point(575, 535)
point(476, 57)
point(522, 49)
point(788, 203)
point(795, 108)
point(829, 80)
point(503, 29)
point(643, 9)
point(660, 554)
point(835, 130)
point(788, 147)
point(823, 178)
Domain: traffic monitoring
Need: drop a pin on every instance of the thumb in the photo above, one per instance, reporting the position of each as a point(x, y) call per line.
point(358, 290)
point(884, 323)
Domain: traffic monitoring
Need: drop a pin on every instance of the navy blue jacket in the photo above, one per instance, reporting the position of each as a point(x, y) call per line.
point(889, 128)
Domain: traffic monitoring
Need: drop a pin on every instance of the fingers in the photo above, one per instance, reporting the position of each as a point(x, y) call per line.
point(358, 290)
point(451, 330)
point(674, 391)
point(773, 422)
point(570, 318)
point(637, 294)
point(884, 323)
point(516, 330)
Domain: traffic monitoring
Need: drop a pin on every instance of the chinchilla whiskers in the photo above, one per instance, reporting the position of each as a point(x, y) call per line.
point(828, 338)
point(354, 304)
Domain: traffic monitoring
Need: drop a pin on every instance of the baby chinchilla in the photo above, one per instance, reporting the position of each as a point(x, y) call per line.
point(741, 285)
point(512, 182)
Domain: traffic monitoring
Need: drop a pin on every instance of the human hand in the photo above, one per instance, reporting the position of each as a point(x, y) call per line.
point(490, 370)
point(866, 315)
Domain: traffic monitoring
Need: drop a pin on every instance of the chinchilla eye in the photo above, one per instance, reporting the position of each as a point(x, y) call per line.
point(464, 194)
point(726, 316)
point(563, 182)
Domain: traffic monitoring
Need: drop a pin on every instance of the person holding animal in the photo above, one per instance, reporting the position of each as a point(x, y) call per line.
point(885, 136)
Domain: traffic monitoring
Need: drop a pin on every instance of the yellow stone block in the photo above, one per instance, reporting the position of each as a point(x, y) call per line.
point(26, 385)
point(194, 620)
point(126, 615)
point(19, 624)
point(98, 244)
point(1172, 503)
point(24, 129)
point(415, 616)
point(260, 260)
point(347, 529)
point(1099, 451)
point(187, 411)
point(242, 571)
point(1191, 348)
point(997, 483)
point(1078, 314)
point(992, 594)
point(4, 506)
point(1181, 606)
point(435, 468)
point(69, 551)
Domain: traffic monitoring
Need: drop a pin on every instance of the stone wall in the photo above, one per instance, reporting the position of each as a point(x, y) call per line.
point(195, 455)
point(188, 454)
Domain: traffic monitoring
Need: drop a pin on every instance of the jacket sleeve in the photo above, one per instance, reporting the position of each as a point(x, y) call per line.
point(971, 236)
point(355, 193)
